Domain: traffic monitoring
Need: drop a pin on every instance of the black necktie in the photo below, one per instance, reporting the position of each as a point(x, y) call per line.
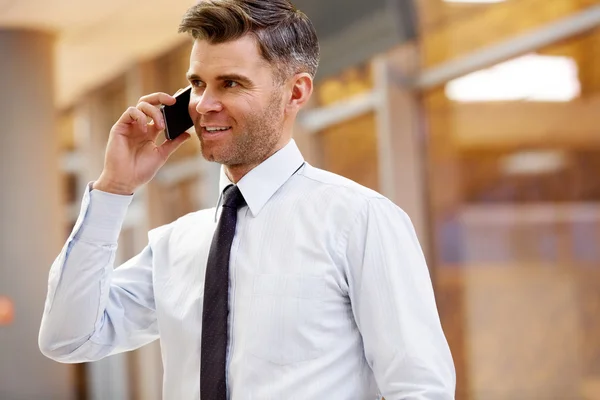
point(216, 297)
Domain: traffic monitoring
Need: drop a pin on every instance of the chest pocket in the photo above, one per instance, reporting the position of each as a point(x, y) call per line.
point(287, 323)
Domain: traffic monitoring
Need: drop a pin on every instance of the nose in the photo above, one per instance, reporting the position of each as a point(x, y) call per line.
point(207, 102)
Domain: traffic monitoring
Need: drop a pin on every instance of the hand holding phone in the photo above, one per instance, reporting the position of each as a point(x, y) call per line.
point(177, 117)
point(133, 156)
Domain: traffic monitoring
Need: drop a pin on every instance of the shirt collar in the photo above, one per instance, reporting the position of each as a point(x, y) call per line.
point(261, 183)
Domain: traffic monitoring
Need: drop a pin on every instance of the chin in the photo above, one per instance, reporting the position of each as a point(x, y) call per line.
point(209, 156)
point(214, 155)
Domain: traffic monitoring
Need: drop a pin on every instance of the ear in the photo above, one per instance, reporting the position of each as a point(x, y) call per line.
point(301, 90)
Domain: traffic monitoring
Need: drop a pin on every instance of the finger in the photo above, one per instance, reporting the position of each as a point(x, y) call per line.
point(134, 116)
point(157, 99)
point(169, 146)
point(153, 112)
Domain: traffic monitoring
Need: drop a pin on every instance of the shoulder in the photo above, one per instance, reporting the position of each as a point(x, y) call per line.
point(357, 204)
point(341, 191)
point(345, 205)
point(326, 181)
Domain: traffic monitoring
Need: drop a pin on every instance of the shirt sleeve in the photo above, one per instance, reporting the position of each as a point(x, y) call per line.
point(93, 310)
point(394, 307)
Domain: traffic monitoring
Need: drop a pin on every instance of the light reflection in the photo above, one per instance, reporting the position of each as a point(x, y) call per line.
point(474, 1)
point(533, 162)
point(532, 77)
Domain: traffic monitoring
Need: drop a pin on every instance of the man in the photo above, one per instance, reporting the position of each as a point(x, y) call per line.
point(299, 285)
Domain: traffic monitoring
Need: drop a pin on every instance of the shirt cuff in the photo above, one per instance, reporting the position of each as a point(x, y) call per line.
point(104, 216)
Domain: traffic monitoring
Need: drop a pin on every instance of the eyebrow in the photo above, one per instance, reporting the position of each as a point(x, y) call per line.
point(226, 77)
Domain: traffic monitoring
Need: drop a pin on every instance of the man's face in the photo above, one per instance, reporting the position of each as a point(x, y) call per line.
point(236, 104)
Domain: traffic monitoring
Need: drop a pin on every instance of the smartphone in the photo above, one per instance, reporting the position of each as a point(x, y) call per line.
point(177, 117)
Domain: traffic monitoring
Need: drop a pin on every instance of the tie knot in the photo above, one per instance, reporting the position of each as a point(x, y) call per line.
point(233, 198)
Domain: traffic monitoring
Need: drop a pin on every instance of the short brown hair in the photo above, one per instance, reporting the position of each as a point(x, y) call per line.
point(285, 36)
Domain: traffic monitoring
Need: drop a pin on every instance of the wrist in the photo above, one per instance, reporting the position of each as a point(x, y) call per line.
point(110, 186)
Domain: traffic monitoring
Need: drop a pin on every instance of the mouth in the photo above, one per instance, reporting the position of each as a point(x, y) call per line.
point(214, 132)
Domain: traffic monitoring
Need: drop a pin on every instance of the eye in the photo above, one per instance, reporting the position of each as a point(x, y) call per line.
point(197, 83)
point(231, 84)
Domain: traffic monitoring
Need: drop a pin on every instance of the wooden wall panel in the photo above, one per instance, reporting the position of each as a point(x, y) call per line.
point(350, 149)
point(450, 298)
point(66, 131)
point(517, 331)
point(589, 298)
point(522, 124)
point(522, 333)
point(457, 33)
point(351, 82)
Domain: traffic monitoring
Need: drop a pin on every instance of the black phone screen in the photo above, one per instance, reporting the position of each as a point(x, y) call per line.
point(177, 117)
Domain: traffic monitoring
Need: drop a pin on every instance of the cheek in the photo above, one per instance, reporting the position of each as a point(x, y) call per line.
point(238, 109)
point(192, 108)
point(249, 106)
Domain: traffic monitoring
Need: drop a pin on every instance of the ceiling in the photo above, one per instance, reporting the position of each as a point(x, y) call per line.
point(97, 40)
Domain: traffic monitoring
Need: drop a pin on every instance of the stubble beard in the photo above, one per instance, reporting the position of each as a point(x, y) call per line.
point(255, 143)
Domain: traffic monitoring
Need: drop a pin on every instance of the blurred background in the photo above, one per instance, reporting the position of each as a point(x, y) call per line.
point(480, 118)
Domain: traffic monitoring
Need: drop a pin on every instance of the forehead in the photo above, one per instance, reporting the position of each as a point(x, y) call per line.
point(241, 55)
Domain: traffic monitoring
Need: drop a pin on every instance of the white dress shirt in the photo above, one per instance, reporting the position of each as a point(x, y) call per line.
point(330, 297)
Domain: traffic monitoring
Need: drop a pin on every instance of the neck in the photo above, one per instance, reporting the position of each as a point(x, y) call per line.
point(236, 172)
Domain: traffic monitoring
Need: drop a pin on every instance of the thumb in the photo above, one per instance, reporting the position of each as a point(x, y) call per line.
point(169, 146)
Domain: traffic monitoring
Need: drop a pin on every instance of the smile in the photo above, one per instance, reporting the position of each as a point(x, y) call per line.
point(216, 129)
point(213, 132)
